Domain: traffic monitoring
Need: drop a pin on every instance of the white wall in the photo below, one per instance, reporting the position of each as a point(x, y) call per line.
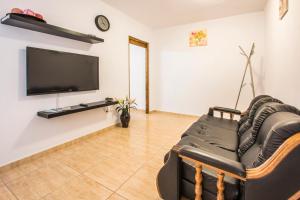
point(137, 75)
point(22, 132)
point(282, 52)
point(182, 79)
point(189, 80)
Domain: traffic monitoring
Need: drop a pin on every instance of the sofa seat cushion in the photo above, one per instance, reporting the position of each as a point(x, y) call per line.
point(215, 131)
point(209, 177)
point(219, 122)
point(201, 144)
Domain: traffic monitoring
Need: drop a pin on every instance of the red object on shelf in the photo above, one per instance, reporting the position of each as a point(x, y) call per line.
point(17, 11)
point(39, 16)
point(29, 12)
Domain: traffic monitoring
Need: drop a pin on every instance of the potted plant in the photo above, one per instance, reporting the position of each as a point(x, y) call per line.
point(123, 107)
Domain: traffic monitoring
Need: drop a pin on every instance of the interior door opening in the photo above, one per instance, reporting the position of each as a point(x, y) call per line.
point(139, 73)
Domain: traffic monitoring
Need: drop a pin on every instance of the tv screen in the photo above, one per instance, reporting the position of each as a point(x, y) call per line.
point(51, 71)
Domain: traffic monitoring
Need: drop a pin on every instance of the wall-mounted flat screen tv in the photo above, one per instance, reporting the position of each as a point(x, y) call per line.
point(51, 71)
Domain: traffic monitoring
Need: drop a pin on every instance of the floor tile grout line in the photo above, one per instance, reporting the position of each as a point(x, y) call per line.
point(23, 175)
point(5, 185)
point(148, 142)
point(37, 168)
point(130, 176)
point(116, 194)
point(98, 183)
point(114, 191)
point(58, 187)
point(79, 174)
point(47, 165)
point(70, 179)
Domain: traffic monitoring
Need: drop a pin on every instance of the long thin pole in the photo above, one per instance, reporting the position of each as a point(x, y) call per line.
point(242, 83)
point(252, 81)
point(251, 72)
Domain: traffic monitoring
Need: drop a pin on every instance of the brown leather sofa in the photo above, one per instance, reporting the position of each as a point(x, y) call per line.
point(255, 158)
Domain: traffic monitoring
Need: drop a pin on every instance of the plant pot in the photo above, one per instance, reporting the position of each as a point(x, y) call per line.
point(125, 118)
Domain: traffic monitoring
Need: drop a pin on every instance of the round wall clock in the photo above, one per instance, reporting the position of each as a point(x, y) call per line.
point(102, 23)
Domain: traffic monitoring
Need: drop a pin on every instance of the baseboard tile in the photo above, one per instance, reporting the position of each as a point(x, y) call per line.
point(173, 113)
point(55, 148)
point(77, 140)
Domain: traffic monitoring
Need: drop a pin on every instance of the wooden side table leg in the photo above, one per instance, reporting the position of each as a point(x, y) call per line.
point(198, 180)
point(220, 186)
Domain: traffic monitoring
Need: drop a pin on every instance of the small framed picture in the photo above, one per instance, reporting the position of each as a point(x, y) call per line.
point(198, 38)
point(283, 8)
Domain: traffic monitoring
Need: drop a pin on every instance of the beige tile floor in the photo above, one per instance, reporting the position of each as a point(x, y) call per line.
point(117, 164)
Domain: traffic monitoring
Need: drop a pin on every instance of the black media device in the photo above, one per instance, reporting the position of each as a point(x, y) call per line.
point(51, 71)
point(109, 99)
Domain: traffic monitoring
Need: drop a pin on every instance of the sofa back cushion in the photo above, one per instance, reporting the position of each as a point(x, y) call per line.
point(247, 136)
point(259, 126)
point(243, 127)
point(245, 117)
point(276, 129)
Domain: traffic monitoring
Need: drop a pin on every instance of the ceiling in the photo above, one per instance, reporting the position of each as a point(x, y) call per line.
point(164, 13)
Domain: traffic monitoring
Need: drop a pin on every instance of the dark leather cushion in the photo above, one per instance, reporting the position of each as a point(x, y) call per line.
point(247, 136)
point(209, 177)
point(286, 125)
point(218, 122)
point(214, 160)
point(245, 117)
point(250, 117)
point(255, 99)
point(261, 116)
point(275, 130)
point(215, 131)
point(200, 144)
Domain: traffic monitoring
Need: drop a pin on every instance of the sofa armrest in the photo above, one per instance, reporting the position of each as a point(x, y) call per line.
point(224, 110)
point(227, 110)
point(215, 161)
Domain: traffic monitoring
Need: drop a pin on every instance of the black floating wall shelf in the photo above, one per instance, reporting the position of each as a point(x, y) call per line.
point(48, 114)
point(21, 22)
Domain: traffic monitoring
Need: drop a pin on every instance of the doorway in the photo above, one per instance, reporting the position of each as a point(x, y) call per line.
point(139, 72)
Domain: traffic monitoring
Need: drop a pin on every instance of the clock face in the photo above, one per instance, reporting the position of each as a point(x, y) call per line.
point(102, 23)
